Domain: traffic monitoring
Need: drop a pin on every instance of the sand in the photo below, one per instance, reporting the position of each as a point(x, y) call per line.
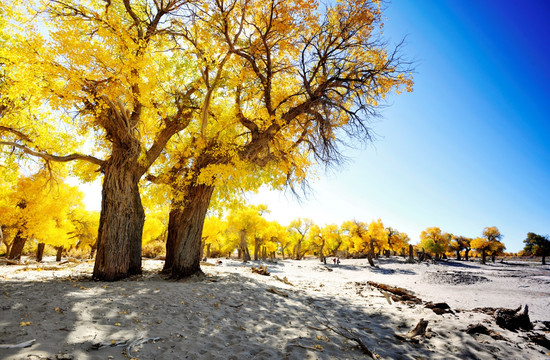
point(233, 313)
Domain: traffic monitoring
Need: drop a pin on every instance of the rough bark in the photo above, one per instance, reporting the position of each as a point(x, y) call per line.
point(17, 246)
point(483, 256)
point(59, 253)
point(458, 257)
point(466, 253)
point(244, 247)
point(543, 259)
point(185, 225)
point(40, 251)
point(122, 217)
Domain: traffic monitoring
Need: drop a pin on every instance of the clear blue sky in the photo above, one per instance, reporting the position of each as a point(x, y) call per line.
point(470, 147)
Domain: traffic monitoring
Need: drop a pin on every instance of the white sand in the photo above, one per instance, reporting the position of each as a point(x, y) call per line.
point(230, 314)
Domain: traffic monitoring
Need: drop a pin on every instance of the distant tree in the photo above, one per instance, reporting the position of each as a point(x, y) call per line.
point(434, 241)
point(298, 230)
point(537, 245)
point(459, 243)
point(493, 236)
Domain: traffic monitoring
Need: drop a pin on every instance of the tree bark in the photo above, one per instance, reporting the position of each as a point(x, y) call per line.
point(483, 256)
point(543, 259)
point(185, 225)
point(256, 248)
point(17, 246)
point(40, 252)
point(122, 217)
point(466, 253)
point(59, 253)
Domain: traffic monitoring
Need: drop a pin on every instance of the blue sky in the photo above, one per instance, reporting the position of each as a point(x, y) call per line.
point(470, 147)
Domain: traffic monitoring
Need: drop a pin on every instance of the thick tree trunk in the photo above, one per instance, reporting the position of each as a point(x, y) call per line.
point(208, 250)
point(458, 255)
point(543, 259)
point(466, 253)
point(40, 251)
point(244, 247)
point(17, 246)
point(59, 253)
point(483, 257)
point(299, 250)
point(185, 232)
point(121, 220)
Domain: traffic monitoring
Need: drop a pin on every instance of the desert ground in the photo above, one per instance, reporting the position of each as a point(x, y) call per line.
point(301, 310)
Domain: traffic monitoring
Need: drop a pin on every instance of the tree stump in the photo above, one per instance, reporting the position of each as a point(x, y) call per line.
point(513, 319)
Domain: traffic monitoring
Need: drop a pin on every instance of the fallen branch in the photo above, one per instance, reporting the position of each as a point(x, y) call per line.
point(308, 347)
point(284, 280)
point(419, 330)
point(262, 270)
point(348, 334)
point(22, 345)
point(139, 342)
point(275, 291)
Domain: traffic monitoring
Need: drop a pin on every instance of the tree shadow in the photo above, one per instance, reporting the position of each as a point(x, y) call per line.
point(224, 316)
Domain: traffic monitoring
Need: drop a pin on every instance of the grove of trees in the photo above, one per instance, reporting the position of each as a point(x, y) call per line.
point(189, 95)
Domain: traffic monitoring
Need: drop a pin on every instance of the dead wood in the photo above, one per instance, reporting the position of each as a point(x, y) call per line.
point(275, 291)
point(439, 308)
point(346, 333)
point(513, 319)
point(539, 339)
point(262, 270)
point(22, 345)
point(398, 294)
point(284, 280)
point(308, 347)
point(474, 329)
point(419, 330)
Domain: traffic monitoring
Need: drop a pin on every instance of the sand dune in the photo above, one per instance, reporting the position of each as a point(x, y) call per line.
point(233, 313)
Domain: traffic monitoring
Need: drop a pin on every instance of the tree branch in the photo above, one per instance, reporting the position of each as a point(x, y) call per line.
point(50, 157)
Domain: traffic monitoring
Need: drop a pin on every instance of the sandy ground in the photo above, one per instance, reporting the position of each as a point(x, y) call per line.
point(233, 313)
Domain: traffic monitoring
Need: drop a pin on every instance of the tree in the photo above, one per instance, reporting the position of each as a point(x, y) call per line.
point(495, 246)
point(299, 231)
point(434, 241)
point(39, 209)
point(537, 245)
point(325, 240)
point(303, 79)
point(459, 243)
point(247, 222)
point(115, 73)
point(365, 238)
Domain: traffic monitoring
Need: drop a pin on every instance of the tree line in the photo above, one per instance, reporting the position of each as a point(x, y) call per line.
point(47, 213)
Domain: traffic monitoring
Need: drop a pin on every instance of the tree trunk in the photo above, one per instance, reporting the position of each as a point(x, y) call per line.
point(543, 259)
point(59, 253)
point(244, 247)
point(256, 248)
point(122, 217)
point(466, 253)
point(40, 252)
point(208, 250)
point(201, 256)
point(370, 254)
point(411, 254)
point(17, 246)
point(458, 255)
point(299, 250)
point(483, 256)
point(185, 231)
